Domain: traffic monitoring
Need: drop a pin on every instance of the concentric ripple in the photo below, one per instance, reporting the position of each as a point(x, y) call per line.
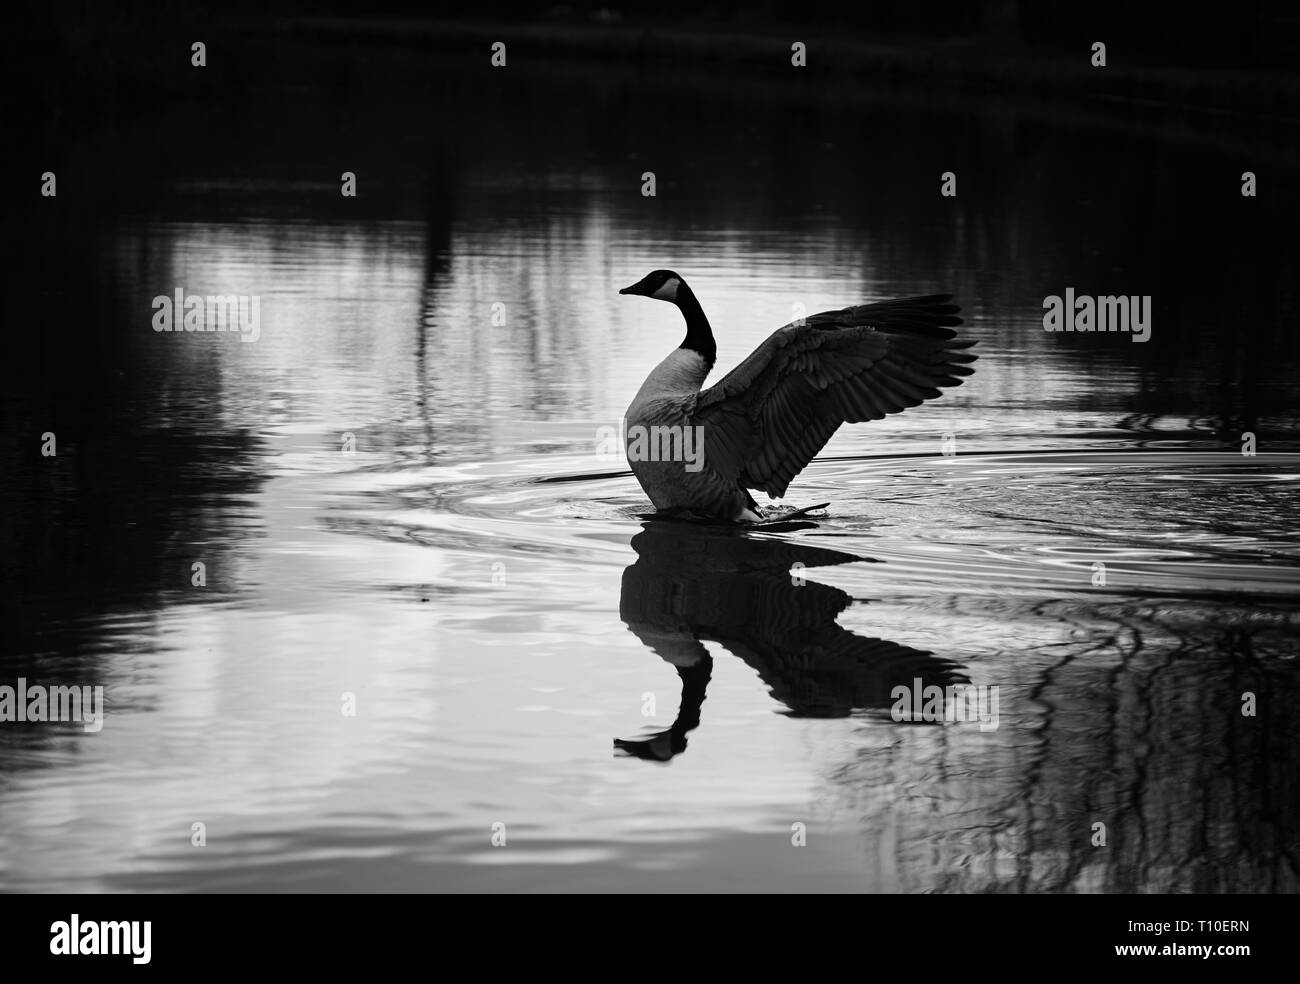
point(1134, 522)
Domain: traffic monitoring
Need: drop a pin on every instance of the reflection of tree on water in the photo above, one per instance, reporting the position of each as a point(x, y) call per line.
point(693, 583)
point(1134, 721)
point(147, 474)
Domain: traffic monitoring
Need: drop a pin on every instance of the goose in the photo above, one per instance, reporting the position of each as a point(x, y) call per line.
point(697, 453)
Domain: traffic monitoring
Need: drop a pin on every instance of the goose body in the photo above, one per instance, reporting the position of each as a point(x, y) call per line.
point(662, 415)
point(700, 451)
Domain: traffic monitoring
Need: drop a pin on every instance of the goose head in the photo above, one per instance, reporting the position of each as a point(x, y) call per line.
point(662, 285)
point(665, 285)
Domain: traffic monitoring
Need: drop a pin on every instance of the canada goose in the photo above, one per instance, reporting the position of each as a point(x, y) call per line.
point(699, 453)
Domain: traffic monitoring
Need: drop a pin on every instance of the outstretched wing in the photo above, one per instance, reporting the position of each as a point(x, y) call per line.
point(767, 418)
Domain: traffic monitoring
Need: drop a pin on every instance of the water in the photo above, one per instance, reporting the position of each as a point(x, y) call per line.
point(481, 584)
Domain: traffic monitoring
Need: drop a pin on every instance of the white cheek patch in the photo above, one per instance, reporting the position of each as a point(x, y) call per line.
point(668, 292)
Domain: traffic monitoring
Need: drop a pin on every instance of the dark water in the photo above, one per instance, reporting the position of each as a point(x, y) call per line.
point(479, 577)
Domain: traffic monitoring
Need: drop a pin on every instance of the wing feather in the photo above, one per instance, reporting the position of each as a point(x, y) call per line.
point(767, 418)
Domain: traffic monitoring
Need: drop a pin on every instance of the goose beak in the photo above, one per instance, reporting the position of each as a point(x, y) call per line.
point(630, 290)
point(637, 288)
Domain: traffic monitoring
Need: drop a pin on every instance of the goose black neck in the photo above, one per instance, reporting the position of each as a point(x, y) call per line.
point(699, 336)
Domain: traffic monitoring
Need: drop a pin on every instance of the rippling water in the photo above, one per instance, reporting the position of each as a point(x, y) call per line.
point(643, 705)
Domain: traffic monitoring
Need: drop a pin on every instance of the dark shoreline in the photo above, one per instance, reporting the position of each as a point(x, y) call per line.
point(993, 66)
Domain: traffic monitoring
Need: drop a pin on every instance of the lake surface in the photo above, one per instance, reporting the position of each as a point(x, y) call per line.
point(474, 575)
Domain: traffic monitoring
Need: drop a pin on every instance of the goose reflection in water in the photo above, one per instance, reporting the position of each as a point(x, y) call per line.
point(693, 584)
